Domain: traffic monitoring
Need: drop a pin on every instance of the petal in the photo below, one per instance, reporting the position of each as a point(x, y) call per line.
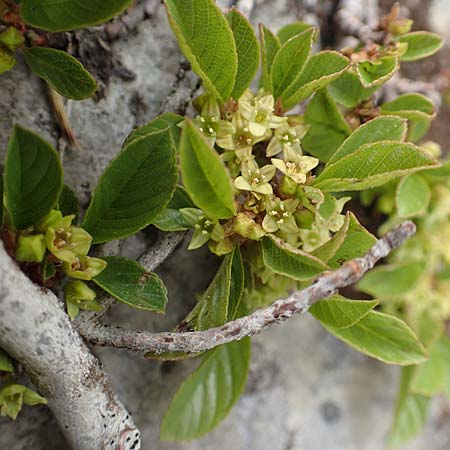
point(227, 142)
point(279, 164)
point(308, 163)
point(256, 129)
point(242, 184)
point(269, 224)
point(225, 128)
point(264, 188)
point(198, 239)
point(268, 171)
point(274, 147)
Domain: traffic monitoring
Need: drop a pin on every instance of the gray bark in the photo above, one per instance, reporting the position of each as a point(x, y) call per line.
point(36, 331)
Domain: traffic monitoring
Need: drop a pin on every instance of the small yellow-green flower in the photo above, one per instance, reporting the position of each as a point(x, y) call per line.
point(259, 112)
point(287, 136)
point(280, 215)
point(255, 179)
point(67, 242)
point(204, 228)
point(84, 267)
point(79, 295)
point(295, 165)
point(242, 140)
point(210, 124)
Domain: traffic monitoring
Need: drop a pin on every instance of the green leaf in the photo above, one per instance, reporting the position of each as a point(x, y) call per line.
point(319, 71)
point(166, 120)
point(204, 175)
point(410, 412)
point(68, 202)
point(387, 128)
point(132, 284)
point(421, 44)
point(390, 280)
point(289, 261)
point(32, 179)
point(270, 46)
point(171, 219)
point(383, 337)
point(134, 189)
point(7, 60)
point(327, 127)
point(373, 165)
point(418, 109)
point(413, 196)
point(292, 29)
point(221, 300)
point(357, 242)
point(341, 312)
point(289, 62)
point(6, 364)
point(13, 396)
point(247, 48)
point(65, 74)
point(208, 394)
point(207, 41)
point(348, 90)
point(375, 73)
point(329, 249)
point(66, 15)
point(433, 376)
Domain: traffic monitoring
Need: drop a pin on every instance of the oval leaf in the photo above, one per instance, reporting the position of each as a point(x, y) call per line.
point(413, 196)
point(62, 72)
point(134, 188)
point(171, 219)
point(418, 109)
point(375, 73)
point(66, 15)
point(292, 29)
point(33, 178)
point(348, 90)
point(390, 280)
point(388, 128)
point(410, 412)
point(270, 46)
point(320, 70)
point(383, 337)
point(327, 127)
point(289, 62)
point(289, 261)
point(130, 283)
point(204, 175)
point(421, 44)
point(373, 165)
point(207, 41)
point(247, 48)
point(341, 312)
point(166, 120)
point(207, 396)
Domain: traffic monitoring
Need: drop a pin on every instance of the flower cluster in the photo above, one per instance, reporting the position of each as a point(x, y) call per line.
point(58, 246)
point(271, 175)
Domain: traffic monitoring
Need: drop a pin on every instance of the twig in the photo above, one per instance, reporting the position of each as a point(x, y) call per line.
point(166, 243)
point(37, 332)
point(299, 302)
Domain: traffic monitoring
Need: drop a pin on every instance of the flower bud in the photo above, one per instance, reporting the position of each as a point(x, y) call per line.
point(288, 186)
point(400, 26)
point(78, 296)
point(247, 227)
point(30, 248)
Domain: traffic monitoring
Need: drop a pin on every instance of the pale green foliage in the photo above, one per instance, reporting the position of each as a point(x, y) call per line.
point(258, 187)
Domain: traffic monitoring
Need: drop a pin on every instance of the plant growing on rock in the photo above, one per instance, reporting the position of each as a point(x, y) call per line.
point(269, 174)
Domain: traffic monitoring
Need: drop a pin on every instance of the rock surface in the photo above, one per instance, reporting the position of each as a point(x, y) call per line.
point(307, 391)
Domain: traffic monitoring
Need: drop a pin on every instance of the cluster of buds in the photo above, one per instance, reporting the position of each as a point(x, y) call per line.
point(55, 243)
point(271, 175)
